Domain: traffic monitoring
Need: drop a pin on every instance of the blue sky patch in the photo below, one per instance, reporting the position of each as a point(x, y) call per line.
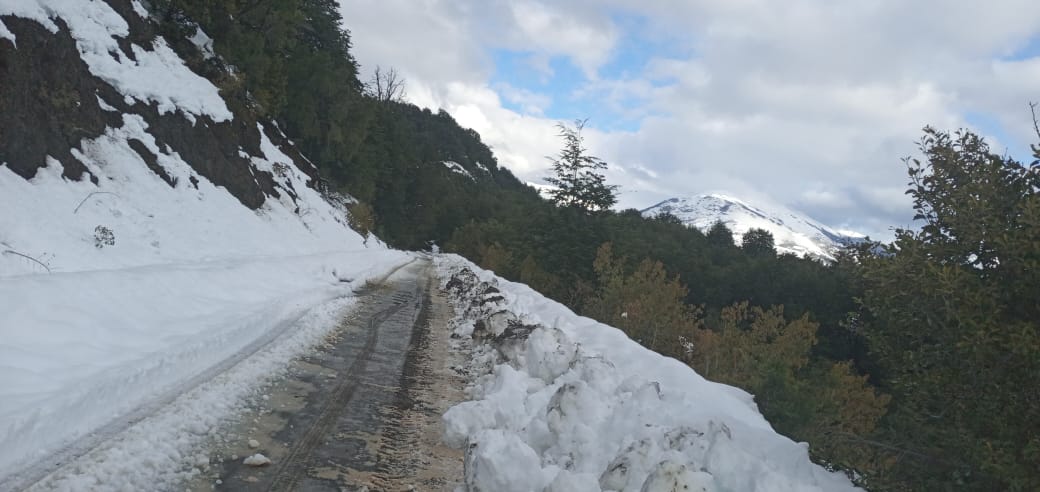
point(1031, 49)
point(571, 94)
point(989, 126)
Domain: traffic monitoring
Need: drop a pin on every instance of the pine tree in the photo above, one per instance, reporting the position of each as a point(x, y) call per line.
point(578, 180)
point(719, 235)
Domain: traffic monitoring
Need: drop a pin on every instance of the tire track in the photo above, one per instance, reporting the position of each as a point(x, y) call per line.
point(362, 411)
point(292, 466)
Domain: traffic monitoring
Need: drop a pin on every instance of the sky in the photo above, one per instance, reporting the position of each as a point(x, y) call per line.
point(811, 104)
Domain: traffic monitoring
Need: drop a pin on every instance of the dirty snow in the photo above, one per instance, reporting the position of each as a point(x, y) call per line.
point(563, 403)
point(158, 75)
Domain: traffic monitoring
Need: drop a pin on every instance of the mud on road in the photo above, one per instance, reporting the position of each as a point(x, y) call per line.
point(362, 412)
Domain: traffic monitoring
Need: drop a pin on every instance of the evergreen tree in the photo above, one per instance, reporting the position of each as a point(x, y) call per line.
point(758, 242)
point(577, 177)
point(719, 235)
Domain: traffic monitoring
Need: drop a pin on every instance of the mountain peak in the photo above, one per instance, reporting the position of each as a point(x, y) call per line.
point(793, 232)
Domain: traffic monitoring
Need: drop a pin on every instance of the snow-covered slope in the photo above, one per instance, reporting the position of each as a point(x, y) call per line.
point(793, 232)
point(544, 190)
point(166, 257)
point(562, 403)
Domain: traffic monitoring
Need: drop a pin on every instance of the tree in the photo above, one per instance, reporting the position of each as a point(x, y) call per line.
point(954, 323)
point(820, 401)
point(647, 303)
point(758, 242)
point(577, 180)
point(362, 219)
point(720, 235)
point(386, 85)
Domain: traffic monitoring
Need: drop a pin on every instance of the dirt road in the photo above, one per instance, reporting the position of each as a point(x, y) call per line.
point(363, 411)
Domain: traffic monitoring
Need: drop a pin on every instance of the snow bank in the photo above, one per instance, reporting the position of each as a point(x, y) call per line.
point(152, 75)
point(566, 403)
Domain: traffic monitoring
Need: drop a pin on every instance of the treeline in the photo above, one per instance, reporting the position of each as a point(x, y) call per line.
point(289, 61)
point(913, 364)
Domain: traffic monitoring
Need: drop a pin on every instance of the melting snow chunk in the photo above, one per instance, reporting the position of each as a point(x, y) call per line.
point(257, 460)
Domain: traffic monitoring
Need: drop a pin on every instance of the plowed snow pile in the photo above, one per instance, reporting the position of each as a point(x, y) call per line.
point(563, 403)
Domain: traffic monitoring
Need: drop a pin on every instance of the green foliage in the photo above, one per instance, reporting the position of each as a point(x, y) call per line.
point(647, 303)
point(758, 242)
point(817, 400)
point(578, 180)
point(497, 259)
point(362, 219)
point(719, 235)
point(954, 323)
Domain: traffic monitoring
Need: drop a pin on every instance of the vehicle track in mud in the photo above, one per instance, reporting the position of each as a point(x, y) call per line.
point(363, 411)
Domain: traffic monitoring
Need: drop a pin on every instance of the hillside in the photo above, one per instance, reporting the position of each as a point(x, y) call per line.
point(793, 232)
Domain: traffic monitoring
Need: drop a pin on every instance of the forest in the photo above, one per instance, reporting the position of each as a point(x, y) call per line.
point(910, 365)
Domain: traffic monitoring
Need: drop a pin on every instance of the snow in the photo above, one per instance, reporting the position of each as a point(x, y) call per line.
point(457, 168)
point(257, 460)
point(139, 9)
point(158, 74)
point(116, 332)
point(7, 34)
point(104, 105)
point(793, 232)
point(203, 42)
point(576, 405)
point(544, 190)
point(167, 448)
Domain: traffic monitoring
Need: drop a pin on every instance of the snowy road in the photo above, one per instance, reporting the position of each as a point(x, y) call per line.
point(363, 411)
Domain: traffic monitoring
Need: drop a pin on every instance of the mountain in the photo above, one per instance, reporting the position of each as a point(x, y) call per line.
point(793, 232)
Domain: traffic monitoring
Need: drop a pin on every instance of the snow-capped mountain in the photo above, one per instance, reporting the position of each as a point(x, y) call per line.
point(793, 232)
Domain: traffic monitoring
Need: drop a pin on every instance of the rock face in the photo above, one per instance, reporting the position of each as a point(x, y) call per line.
point(792, 231)
point(55, 97)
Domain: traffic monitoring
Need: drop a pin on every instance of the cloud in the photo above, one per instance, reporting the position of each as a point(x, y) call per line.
point(528, 101)
point(810, 103)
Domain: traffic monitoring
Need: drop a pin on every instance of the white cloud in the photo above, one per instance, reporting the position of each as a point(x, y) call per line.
point(811, 102)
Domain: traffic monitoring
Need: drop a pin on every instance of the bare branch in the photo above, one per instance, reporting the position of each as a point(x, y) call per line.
point(30, 258)
point(386, 85)
point(1036, 126)
point(90, 195)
